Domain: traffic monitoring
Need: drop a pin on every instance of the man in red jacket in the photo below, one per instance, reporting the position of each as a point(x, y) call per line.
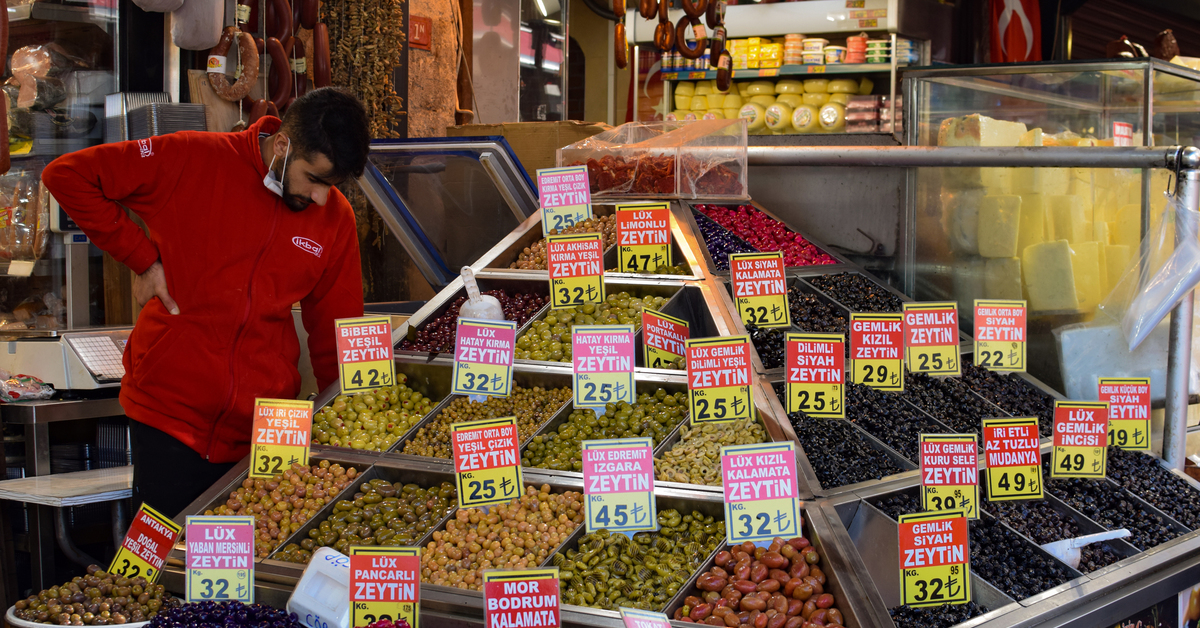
point(241, 226)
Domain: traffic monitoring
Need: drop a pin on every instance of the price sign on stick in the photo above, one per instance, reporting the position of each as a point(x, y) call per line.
point(1128, 411)
point(762, 499)
point(282, 435)
point(643, 237)
point(931, 338)
point(816, 375)
point(525, 598)
point(618, 484)
point(364, 348)
point(877, 350)
point(487, 461)
point(1011, 450)
point(1080, 439)
point(385, 584)
point(576, 265)
point(759, 289)
point(1000, 335)
point(638, 618)
point(564, 196)
point(602, 364)
point(950, 473)
point(145, 546)
point(483, 357)
point(220, 559)
point(719, 379)
point(935, 565)
point(663, 338)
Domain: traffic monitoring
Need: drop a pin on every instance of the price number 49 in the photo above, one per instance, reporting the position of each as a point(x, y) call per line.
point(620, 515)
point(1072, 463)
point(1017, 484)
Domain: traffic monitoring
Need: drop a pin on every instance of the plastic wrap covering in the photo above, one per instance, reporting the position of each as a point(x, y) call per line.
point(14, 387)
point(700, 159)
point(24, 218)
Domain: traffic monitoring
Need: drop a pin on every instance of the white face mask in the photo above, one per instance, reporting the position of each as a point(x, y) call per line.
point(270, 181)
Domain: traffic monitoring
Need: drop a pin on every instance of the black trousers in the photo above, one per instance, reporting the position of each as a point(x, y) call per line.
point(167, 474)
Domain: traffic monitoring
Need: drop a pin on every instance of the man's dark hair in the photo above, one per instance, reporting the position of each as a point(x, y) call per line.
point(333, 123)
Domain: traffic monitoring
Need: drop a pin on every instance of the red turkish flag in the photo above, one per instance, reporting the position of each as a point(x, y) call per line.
point(1016, 31)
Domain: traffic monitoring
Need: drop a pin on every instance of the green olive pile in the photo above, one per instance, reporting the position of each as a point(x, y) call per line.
point(677, 269)
point(533, 257)
point(549, 339)
point(532, 407)
point(97, 599)
point(696, 458)
point(654, 415)
point(381, 513)
point(283, 503)
point(371, 420)
point(516, 535)
point(611, 570)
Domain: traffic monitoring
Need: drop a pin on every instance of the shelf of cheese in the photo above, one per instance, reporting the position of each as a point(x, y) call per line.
point(1060, 238)
point(783, 70)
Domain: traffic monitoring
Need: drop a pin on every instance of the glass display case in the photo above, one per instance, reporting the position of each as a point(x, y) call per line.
point(1060, 238)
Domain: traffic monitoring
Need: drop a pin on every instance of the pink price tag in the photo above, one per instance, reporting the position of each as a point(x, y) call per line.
point(602, 361)
point(638, 618)
point(618, 480)
point(565, 197)
point(220, 558)
point(761, 492)
point(483, 357)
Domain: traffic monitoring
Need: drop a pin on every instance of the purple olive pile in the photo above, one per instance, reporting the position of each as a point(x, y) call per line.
point(1110, 506)
point(857, 293)
point(720, 241)
point(225, 615)
point(943, 616)
point(438, 335)
point(949, 401)
point(1039, 521)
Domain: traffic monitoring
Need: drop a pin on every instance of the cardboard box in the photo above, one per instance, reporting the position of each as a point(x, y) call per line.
point(535, 143)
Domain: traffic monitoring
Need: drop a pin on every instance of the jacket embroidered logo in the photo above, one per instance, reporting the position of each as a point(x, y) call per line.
point(308, 245)
point(145, 147)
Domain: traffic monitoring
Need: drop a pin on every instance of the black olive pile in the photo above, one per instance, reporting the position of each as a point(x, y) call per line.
point(1141, 475)
point(888, 418)
point(1011, 563)
point(950, 402)
point(1014, 395)
point(771, 344)
point(838, 453)
point(942, 616)
point(1039, 521)
point(1111, 507)
point(857, 293)
point(811, 314)
point(898, 504)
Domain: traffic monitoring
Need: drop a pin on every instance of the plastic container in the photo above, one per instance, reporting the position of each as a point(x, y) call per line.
point(835, 54)
point(804, 119)
point(878, 43)
point(321, 598)
point(792, 57)
point(478, 306)
point(816, 86)
point(813, 58)
point(856, 57)
point(856, 42)
point(833, 118)
point(883, 58)
point(815, 44)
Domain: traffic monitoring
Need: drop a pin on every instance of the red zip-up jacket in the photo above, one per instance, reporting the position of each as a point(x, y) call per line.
point(236, 259)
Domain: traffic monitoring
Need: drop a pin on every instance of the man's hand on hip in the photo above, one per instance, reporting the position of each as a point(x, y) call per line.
point(153, 283)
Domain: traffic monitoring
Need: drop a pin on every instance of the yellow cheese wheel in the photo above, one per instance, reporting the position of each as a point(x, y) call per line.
point(833, 118)
point(743, 90)
point(843, 86)
point(791, 100)
point(714, 114)
point(765, 101)
point(816, 100)
point(732, 101)
point(699, 103)
point(816, 86)
point(680, 114)
point(804, 119)
point(755, 116)
point(865, 85)
point(789, 86)
point(703, 88)
point(685, 88)
point(758, 88)
point(731, 113)
point(840, 98)
point(779, 118)
point(683, 101)
point(715, 100)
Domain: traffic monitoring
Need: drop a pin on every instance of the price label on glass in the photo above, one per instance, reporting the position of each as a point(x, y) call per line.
point(565, 197)
point(816, 374)
point(762, 499)
point(483, 357)
point(521, 598)
point(1011, 450)
point(576, 264)
point(220, 559)
point(935, 566)
point(282, 435)
point(663, 339)
point(643, 237)
point(364, 348)
point(1128, 411)
point(759, 289)
point(950, 473)
point(618, 484)
point(931, 338)
point(877, 350)
point(145, 546)
point(1000, 335)
point(1080, 439)
point(602, 364)
point(487, 461)
point(385, 584)
point(719, 378)
point(638, 618)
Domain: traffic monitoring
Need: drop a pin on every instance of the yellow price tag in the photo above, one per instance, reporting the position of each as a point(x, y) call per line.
point(483, 357)
point(934, 558)
point(487, 461)
point(965, 498)
point(760, 492)
point(931, 338)
point(145, 546)
point(643, 237)
point(719, 377)
point(950, 473)
point(1080, 439)
point(1012, 452)
point(1009, 483)
point(877, 350)
point(824, 400)
point(220, 559)
point(1000, 334)
point(576, 265)
point(1128, 411)
point(1000, 356)
point(816, 374)
point(385, 584)
point(365, 353)
point(618, 482)
point(282, 435)
point(760, 289)
point(815, 69)
point(1130, 434)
